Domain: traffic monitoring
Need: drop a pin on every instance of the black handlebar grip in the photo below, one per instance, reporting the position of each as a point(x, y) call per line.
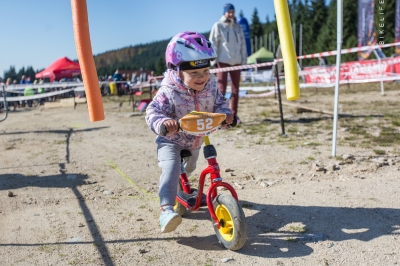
point(163, 130)
point(234, 122)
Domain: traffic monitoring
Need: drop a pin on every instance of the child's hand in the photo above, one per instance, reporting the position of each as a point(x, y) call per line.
point(229, 118)
point(171, 126)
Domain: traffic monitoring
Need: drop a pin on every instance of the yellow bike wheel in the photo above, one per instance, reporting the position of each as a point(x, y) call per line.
point(233, 227)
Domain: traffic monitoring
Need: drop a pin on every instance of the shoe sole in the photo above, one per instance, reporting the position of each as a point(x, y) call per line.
point(172, 224)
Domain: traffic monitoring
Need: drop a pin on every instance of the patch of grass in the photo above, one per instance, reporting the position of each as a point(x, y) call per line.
point(310, 158)
point(303, 162)
point(353, 137)
point(257, 129)
point(193, 228)
point(297, 229)
point(209, 262)
point(366, 144)
point(358, 130)
point(396, 122)
point(59, 142)
point(142, 207)
point(292, 130)
point(291, 239)
point(73, 262)
point(265, 114)
point(350, 102)
point(379, 152)
point(312, 144)
point(388, 137)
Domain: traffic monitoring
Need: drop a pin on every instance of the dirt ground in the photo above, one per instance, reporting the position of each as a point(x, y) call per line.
point(73, 192)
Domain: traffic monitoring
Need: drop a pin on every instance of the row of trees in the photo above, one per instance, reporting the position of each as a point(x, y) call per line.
point(318, 21)
point(17, 75)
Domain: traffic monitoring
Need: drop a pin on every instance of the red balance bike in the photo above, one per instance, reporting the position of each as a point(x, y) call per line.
point(226, 213)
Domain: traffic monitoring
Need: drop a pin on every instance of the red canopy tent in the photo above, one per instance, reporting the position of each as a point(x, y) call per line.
point(61, 68)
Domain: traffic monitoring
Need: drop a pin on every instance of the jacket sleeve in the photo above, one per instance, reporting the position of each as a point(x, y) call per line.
point(243, 49)
point(158, 111)
point(215, 39)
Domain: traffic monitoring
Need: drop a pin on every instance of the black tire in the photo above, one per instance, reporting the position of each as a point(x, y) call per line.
point(233, 230)
point(178, 207)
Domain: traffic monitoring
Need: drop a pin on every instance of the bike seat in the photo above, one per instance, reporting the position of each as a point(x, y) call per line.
point(185, 153)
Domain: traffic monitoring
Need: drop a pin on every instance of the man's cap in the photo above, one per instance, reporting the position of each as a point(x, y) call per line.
point(228, 7)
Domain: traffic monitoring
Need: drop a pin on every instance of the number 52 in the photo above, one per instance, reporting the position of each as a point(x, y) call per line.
point(203, 124)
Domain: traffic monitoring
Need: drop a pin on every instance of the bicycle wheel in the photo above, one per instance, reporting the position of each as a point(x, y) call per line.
point(233, 227)
point(178, 207)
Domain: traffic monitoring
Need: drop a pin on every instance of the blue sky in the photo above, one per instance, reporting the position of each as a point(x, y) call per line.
point(35, 33)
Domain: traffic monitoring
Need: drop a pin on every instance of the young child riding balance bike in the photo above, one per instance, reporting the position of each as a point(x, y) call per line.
point(187, 86)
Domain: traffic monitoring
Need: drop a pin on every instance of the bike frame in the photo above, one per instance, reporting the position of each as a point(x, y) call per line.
point(213, 171)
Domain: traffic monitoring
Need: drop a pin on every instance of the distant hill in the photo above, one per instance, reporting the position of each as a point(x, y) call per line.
point(149, 56)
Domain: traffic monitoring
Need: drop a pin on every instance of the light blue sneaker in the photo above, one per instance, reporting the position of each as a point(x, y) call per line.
point(169, 219)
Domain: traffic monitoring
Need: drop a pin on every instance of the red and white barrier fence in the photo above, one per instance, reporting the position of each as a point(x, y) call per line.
point(316, 55)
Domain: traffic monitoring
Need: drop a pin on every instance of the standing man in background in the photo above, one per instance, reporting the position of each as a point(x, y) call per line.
point(230, 45)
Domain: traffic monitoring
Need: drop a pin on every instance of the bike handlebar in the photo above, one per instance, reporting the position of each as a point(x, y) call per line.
point(164, 131)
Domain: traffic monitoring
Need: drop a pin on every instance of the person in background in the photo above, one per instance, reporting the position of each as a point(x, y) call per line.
point(323, 61)
point(134, 78)
point(143, 75)
point(117, 77)
point(152, 81)
point(228, 39)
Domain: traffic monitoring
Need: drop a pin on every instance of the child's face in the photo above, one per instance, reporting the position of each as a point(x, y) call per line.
point(196, 79)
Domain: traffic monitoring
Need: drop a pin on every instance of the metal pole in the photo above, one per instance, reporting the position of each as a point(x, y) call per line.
point(300, 42)
point(255, 43)
point(279, 99)
point(5, 105)
point(380, 69)
point(338, 59)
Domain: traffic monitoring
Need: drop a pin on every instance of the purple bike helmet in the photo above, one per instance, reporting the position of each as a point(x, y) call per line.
point(189, 47)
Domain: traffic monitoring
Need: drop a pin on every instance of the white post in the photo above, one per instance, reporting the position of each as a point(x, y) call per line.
point(273, 42)
point(265, 41)
point(270, 42)
point(380, 69)
point(338, 57)
point(294, 36)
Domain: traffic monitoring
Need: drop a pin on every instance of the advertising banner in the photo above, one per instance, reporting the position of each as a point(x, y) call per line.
point(397, 26)
point(357, 70)
point(366, 27)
